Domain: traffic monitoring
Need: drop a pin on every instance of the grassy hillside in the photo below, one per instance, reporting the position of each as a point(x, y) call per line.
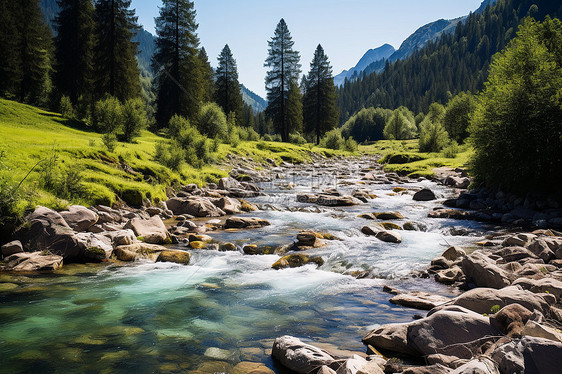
point(67, 163)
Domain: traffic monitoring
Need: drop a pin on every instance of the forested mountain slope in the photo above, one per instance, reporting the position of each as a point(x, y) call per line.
point(456, 62)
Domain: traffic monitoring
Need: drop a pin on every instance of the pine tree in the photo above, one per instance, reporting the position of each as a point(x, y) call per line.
point(294, 109)
point(208, 77)
point(320, 110)
point(25, 51)
point(116, 68)
point(228, 92)
point(74, 45)
point(176, 62)
point(284, 66)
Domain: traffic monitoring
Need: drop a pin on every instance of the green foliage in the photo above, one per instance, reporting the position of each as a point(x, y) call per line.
point(516, 128)
point(458, 112)
point(134, 118)
point(227, 87)
point(171, 155)
point(451, 150)
point(207, 77)
point(108, 115)
point(109, 141)
point(333, 140)
point(115, 54)
point(212, 121)
point(284, 70)
point(319, 102)
point(433, 137)
point(297, 138)
point(294, 114)
point(494, 309)
point(350, 145)
point(401, 125)
point(66, 108)
point(367, 125)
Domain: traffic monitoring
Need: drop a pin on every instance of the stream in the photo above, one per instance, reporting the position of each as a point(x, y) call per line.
point(228, 307)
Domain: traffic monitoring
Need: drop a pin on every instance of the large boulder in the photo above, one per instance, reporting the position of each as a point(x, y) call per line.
point(49, 215)
point(229, 205)
point(449, 276)
point(389, 237)
point(178, 257)
point(454, 253)
point(541, 286)
point(481, 365)
point(519, 240)
point(135, 251)
point(195, 206)
point(296, 260)
point(483, 271)
point(299, 357)
point(11, 248)
point(58, 239)
point(391, 337)
point(229, 183)
point(510, 254)
point(542, 249)
point(529, 355)
point(511, 319)
point(245, 223)
point(457, 182)
point(389, 216)
point(97, 247)
point(79, 218)
point(419, 300)
point(424, 195)
point(36, 261)
point(537, 330)
point(121, 237)
point(481, 300)
point(152, 230)
point(445, 332)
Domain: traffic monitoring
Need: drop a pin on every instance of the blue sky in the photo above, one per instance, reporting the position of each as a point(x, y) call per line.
point(345, 28)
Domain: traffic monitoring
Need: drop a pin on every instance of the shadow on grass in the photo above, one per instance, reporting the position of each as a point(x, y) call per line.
point(68, 122)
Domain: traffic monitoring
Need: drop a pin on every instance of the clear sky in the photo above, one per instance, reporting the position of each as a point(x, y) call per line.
point(345, 28)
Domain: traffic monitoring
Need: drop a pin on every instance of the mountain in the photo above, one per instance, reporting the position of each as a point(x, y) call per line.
point(457, 61)
point(373, 55)
point(257, 103)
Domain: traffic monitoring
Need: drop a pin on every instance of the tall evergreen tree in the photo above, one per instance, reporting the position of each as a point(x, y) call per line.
point(25, 51)
point(294, 109)
point(116, 68)
point(284, 66)
point(74, 45)
point(207, 77)
point(319, 101)
point(228, 92)
point(176, 62)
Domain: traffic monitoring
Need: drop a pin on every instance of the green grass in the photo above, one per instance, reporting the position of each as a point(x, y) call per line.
point(424, 167)
point(30, 135)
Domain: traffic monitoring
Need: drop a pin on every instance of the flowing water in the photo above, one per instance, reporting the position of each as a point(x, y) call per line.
point(227, 307)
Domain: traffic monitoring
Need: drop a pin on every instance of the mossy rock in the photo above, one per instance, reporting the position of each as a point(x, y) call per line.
point(178, 257)
point(197, 244)
point(390, 226)
point(399, 189)
point(296, 260)
point(132, 197)
point(228, 247)
point(95, 254)
point(401, 158)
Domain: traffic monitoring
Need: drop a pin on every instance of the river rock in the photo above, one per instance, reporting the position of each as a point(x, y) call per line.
point(229, 205)
point(97, 247)
point(510, 254)
point(79, 218)
point(229, 183)
point(424, 195)
point(49, 215)
point(481, 365)
point(519, 240)
point(123, 254)
point(481, 300)
point(35, 261)
point(538, 330)
point(541, 286)
point(178, 257)
point(299, 357)
point(389, 237)
point(353, 365)
point(152, 231)
point(541, 249)
point(457, 182)
point(60, 240)
point(138, 249)
point(529, 355)
point(419, 300)
point(454, 253)
point(11, 248)
point(431, 369)
point(449, 276)
point(296, 260)
point(328, 200)
point(391, 337)
point(389, 216)
point(195, 206)
point(511, 319)
point(245, 223)
point(446, 330)
point(483, 271)
point(121, 237)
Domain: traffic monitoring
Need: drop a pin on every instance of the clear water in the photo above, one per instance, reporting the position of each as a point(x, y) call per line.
point(148, 317)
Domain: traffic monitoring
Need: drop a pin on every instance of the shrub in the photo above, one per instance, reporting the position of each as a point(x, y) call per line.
point(297, 138)
point(332, 140)
point(212, 121)
point(457, 116)
point(170, 155)
point(109, 141)
point(367, 125)
point(433, 137)
point(134, 119)
point(66, 109)
point(452, 150)
point(108, 115)
point(350, 145)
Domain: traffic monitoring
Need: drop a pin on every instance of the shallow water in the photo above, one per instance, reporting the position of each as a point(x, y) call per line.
point(225, 306)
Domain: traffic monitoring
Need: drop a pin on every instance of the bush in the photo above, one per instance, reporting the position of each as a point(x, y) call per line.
point(516, 129)
point(108, 115)
point(367, 125)
point(452, 150)
point(350, 145)
point(433, 137)
point(457, 116)
point(297, 138)
point(109, 141)
point(66, 109)
point(401, 125)
point(212, 121)
point(134, 119)
point(171, 155)
point(332, 140)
